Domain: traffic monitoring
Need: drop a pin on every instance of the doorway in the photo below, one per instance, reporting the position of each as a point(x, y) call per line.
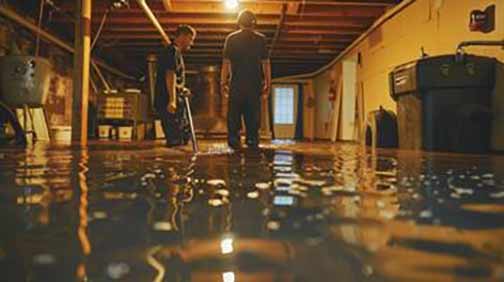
point(285, 104)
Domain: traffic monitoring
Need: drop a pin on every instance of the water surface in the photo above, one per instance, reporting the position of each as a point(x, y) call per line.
point(287, 212)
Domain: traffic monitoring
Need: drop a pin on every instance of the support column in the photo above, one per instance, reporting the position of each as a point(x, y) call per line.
point(81, 64)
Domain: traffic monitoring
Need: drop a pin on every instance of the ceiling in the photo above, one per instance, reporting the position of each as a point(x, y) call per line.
point(302, 36)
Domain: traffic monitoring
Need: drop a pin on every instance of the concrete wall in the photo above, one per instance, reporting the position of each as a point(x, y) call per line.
point(436, 25)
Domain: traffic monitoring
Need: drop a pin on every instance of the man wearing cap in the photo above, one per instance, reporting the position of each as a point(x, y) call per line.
point(170, 79)
point(245, 75)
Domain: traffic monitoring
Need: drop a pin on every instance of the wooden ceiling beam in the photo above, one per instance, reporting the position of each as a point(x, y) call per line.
point(220, 44)
point(172, 20)
point(216, 34)
point(224, 32)
point(167, 4)
point(279, 51)
point(257, 6)
point(143, 25)
point(337, 3)
point(200, 27)
point(219, 38)
point(264, 14)
point(190, 7)
point(323, 32)
point(347, 13)
point(339, 23)
point(334, 3)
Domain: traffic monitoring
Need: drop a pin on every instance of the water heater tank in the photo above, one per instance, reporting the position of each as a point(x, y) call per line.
point(24, 80)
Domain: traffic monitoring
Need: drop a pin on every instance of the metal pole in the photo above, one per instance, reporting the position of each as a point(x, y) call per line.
point(151, 65)
point(479, 43)
point(102, 23)
point(154, 21)
point(81, 72)
point(186, 93)
point(100, 76)
point(41, 14)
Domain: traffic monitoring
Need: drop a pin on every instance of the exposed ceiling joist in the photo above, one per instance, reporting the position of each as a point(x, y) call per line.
point(299, 33)
point(167, 4)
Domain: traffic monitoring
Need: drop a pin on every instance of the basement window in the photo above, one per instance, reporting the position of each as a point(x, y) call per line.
point(283, 105)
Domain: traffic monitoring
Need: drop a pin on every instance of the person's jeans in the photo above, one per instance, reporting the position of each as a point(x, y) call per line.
point(247, 105)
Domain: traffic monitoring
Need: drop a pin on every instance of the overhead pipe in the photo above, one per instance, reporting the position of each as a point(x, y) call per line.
point(460, 47)
point(10, 14)
point(154, 20)
point(100, 76)
point(102, 23)
point(41, 14)
point(463, 44)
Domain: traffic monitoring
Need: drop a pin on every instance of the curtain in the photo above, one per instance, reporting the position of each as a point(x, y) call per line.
point(270, 110)
point(299, 135)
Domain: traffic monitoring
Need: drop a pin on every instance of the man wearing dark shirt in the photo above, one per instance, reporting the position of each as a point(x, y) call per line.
point(245, 75)
point(170, 77)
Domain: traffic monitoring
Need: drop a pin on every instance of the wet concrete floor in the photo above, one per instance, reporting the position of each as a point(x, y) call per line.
point(286, 212)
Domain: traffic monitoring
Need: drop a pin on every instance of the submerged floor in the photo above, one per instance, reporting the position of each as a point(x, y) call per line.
point(288, 212)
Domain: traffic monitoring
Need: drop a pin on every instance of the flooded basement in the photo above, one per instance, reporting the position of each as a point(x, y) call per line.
point(286, 212)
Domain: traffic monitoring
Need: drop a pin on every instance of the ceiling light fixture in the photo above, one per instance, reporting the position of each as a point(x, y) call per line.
point(118, 4)
point(231, 4)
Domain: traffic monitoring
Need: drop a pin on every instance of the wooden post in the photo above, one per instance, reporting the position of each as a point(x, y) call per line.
point(81, 64)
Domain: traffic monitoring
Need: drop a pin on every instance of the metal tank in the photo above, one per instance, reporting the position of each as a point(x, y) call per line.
point(24, 80)
point(152, 65)
point(209, 112)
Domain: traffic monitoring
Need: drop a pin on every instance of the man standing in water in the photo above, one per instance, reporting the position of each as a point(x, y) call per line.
point(170, 80)
point(245, 75)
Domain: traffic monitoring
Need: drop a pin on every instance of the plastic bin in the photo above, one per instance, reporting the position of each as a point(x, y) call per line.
point(444, 104)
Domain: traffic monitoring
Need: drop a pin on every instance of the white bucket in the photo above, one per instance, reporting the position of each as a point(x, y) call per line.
point(125, 132)
point(104, 131)
point(61, 134)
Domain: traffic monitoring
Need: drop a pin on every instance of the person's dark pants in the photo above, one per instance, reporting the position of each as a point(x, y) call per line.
point(246, 104)
point(7, 116)
point(174, 125)
point(170, 127)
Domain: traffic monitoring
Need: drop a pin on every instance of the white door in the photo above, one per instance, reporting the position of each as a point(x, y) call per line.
point(285, 103)
point(348, 100)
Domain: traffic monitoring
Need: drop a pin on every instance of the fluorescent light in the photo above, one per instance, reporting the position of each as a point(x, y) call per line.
point(227, 246)
point(231, 4)
point(228, 276)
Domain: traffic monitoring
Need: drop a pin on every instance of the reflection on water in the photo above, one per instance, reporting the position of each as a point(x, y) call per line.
point(286, 212)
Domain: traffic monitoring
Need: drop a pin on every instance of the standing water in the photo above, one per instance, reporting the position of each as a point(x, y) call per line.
point(285, 212)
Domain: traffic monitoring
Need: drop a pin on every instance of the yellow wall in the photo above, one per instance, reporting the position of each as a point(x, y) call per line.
point(399, 40)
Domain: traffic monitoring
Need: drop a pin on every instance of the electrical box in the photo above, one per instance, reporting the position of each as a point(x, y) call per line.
point(483, 21)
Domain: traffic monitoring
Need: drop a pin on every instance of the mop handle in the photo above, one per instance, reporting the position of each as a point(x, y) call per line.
point(185, 94)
